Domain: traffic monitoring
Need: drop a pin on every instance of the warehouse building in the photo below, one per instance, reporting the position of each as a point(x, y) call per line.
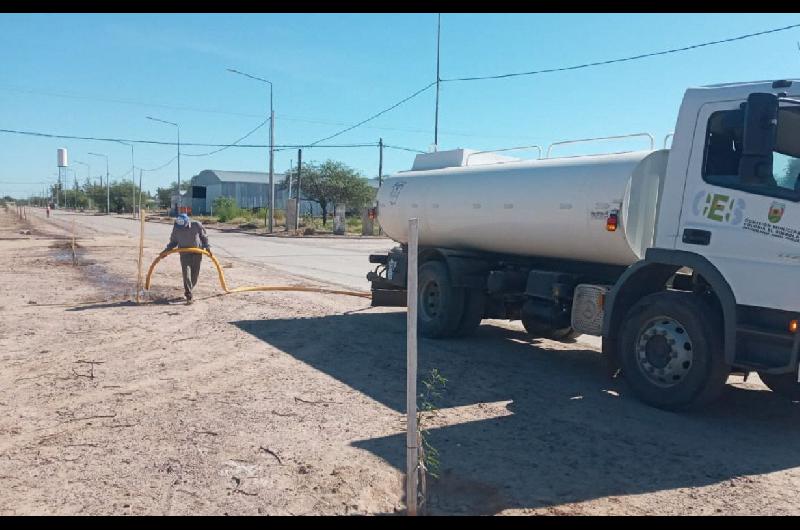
point(249, 188)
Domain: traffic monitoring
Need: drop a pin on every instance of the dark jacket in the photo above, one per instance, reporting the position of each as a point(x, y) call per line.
point(190, 236)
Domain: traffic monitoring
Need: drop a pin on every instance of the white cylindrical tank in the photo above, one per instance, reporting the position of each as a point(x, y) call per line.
point(62, 157)
point(555, 208)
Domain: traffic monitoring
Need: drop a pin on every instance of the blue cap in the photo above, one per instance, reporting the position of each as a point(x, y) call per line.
point(182, 220)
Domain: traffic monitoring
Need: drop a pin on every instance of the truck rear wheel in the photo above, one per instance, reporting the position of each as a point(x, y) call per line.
point(784, 385)
point(671, 351)
point(539, 330)
point(440, 305)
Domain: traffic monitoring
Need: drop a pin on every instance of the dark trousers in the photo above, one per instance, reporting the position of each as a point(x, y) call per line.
point(190, 267)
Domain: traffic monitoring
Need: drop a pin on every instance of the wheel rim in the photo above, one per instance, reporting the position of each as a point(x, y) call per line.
point(664, 351)
point(430, 300)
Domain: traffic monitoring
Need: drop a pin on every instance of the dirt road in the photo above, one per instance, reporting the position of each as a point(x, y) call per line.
point(292, 403)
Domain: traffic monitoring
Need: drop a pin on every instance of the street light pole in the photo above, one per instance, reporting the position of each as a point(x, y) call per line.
point(88, 170)
point(271, 219)
point(438, 81)
point(133, 180)
point(178, 206)
point(108, 184)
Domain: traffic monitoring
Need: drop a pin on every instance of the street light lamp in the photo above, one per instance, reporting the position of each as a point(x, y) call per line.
point(108, 184)
point(179, 157)
point(271, 146)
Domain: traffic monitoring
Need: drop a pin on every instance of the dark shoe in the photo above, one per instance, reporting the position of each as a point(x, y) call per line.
point(189, 301)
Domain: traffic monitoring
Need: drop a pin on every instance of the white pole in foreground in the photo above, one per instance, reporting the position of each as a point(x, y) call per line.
point(412, 440)
point(141, 253)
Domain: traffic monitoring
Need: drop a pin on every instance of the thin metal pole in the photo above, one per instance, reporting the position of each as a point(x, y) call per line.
point(108, 190)
point(140, 190)
point(380, 174)
point(299, 170)
point(291, 170)
point(412, 439)
point(271, 162)
point(380, 162)
point(133, 190)
point(141, 253)
point(179, 168)
point(438, 81)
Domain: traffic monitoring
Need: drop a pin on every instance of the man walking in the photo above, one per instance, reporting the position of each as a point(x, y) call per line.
point(188, 234)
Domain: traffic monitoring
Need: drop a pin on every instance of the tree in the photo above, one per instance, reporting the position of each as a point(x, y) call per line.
point(164, 195)
point(225, 208)
point(333, 183)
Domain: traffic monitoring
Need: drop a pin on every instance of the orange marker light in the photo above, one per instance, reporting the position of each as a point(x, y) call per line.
point(793, 326)
point(611, 222)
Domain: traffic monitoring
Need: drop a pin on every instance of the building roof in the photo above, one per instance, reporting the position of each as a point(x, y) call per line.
point(243, 176)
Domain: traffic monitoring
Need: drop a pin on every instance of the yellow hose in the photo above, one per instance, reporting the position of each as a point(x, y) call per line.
point(227, 290)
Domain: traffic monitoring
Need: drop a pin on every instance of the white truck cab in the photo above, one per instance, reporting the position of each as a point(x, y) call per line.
point(703, 282)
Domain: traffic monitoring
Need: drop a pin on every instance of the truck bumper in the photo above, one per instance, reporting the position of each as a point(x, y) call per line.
point(389, 298)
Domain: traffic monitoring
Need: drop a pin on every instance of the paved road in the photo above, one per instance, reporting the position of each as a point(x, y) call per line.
point(338, 261)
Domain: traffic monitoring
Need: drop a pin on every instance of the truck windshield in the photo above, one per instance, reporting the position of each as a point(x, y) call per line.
point(724, 147)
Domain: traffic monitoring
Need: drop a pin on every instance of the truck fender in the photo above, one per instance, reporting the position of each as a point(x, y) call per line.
point(466, 269)
point(650, 275)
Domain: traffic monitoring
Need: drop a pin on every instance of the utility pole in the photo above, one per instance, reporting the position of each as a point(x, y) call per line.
point(133, 181)
point(438, 81)
point(291, 170)
point(380, 162)
point(108, 184)
point(271, 162)
point(380, 173)
point(299, 170)
point(140, 190)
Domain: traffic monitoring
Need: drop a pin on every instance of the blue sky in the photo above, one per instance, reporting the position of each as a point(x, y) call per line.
point(100, 75)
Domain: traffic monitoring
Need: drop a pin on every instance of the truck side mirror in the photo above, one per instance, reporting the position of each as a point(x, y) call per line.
point(760, 134)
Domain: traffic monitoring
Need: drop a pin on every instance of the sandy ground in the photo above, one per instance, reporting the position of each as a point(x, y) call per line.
point(292, 403)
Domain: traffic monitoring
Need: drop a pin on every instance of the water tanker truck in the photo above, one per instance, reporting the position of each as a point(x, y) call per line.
point(686, 261)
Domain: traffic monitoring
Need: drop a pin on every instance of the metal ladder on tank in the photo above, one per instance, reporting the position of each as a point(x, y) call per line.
point(568, 142)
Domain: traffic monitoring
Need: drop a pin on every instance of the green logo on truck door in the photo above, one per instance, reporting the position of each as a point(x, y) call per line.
point(719, 207)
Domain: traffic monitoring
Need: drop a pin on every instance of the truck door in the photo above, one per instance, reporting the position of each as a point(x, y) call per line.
point(749, 229)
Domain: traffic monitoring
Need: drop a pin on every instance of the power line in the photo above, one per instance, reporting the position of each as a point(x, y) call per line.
point(156, 142)
point(124, 101)
point(208, 111)
point(384, 111)
point(624, 59)
point(292, 147)
point(171, 160)
point(197, 109)
point(403, 148)
point(231, 145)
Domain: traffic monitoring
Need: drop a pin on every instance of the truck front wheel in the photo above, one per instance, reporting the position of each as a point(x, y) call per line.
point(671, 351)
point(785, 385)
point(440, 305)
